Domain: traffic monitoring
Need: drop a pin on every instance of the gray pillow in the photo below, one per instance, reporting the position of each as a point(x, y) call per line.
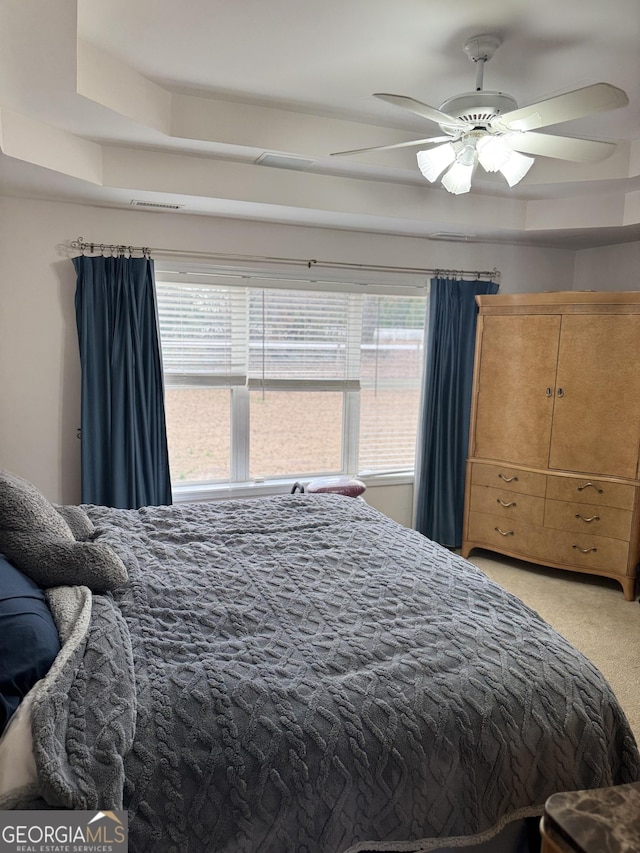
point(79, 522)
point(37, 539)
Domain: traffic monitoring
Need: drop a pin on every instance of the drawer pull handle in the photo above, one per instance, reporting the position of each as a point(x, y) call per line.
point(508, 479)
point(588, 520)
point(549, 392)
point(504, 532)
point(593, 549)
point(593, 486)
point(505, 503)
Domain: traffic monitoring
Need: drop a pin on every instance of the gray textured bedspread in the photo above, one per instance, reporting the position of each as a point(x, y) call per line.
point(311, 677)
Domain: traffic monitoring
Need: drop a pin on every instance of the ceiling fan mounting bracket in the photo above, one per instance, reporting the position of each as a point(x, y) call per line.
point(481, 48)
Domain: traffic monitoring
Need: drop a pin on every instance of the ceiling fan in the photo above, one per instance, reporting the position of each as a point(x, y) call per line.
point(488, 128)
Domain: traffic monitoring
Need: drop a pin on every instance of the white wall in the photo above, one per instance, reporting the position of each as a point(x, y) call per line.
point(608, 268)
point(39, 366)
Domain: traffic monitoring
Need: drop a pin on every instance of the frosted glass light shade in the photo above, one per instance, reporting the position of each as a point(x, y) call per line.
point(433, 162)
point(457, 179)
point(493, 153)
point(516, 167)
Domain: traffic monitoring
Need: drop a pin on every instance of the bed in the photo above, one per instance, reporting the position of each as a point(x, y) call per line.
point(296, 673)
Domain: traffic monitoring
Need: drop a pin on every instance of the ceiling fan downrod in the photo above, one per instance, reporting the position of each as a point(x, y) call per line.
point(480, 49)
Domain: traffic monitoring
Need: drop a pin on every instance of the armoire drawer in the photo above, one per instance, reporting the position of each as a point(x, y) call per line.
point(500, 534)
point(590, 552)
point(589, 519)
point(504, 477)
point(508, 504)
point(592, 491)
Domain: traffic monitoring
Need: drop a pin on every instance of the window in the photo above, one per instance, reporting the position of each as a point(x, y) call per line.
point(270, 379)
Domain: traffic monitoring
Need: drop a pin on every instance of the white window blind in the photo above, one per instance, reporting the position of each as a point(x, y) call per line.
point(391, 379)
point(203, 333)
point(304, 340)
point(356, 356)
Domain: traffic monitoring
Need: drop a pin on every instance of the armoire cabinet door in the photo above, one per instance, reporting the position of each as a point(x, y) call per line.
point(596, 420)
point(515, 388)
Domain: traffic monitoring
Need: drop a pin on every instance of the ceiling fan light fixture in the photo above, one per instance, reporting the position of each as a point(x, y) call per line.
point(457, 179)
point(460, 157)
point(432, 163)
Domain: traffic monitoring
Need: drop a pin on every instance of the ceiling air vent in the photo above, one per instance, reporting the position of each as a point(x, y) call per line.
point(282, 161)
point(156, 205)
point(453, 236)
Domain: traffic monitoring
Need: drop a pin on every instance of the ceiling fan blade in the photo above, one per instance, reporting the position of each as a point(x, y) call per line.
point(420, 109)
point(572, 105)
point(414, 143)
point(561, 147)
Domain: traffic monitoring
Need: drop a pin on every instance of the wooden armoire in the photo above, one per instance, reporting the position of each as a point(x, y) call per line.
point(553, 473)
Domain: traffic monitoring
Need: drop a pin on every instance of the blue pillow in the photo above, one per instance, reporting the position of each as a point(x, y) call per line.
point(29, 640)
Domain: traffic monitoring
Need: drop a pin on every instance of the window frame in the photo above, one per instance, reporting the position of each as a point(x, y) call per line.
point(281, 277)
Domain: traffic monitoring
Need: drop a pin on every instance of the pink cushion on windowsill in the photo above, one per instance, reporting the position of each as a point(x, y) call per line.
point(338, 485)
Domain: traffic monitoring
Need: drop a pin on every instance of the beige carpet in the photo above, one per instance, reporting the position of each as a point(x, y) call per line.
point(589, 611)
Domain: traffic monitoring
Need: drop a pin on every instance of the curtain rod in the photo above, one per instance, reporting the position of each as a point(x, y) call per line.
point(114, 249)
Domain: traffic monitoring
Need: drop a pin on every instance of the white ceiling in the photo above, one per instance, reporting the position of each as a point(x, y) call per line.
point(109, 101)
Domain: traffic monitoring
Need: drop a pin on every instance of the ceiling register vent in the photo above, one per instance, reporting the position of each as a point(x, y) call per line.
point(156, 205)
point(282, 161)
point(452, 236)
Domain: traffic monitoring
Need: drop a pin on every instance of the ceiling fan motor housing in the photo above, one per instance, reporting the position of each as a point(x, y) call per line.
point(478, 108)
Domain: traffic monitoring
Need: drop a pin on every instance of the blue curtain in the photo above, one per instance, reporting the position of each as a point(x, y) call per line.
point(125, 461)
point(446, 408)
